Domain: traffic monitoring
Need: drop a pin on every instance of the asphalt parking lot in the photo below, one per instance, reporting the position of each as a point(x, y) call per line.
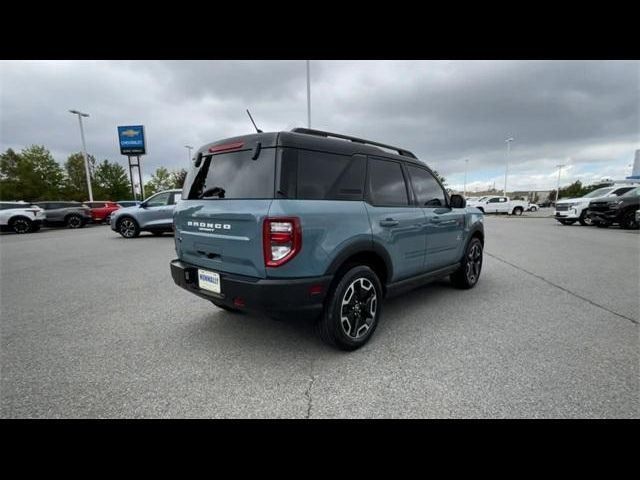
point(92, 325)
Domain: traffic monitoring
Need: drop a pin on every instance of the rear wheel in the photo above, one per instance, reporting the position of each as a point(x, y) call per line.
point(534, 209)
point(517, 211)
point(469, 272)
point(21, 225)
point(74, 221)
point(352, 310)
point(629, 221)
point(128, 228)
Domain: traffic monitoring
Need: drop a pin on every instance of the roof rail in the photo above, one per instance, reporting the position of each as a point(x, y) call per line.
point(320, 133)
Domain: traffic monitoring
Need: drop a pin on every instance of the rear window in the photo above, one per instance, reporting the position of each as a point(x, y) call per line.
point(310, 175)
point(233, 175)
point(386, 183)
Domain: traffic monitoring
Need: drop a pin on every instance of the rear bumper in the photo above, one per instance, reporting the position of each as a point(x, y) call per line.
point(277, 297)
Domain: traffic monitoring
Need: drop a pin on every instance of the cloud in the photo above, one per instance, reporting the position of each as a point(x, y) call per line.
point(444, 111)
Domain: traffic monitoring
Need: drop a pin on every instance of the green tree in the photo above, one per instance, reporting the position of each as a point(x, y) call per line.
point(75, 185)
point(178, 177)
point(31, 175)
point(111, 181)
point(160, 180)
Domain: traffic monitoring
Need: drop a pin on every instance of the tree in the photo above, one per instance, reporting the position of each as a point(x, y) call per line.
point(111, 181)
point(160, 180)
point(178, 177)
point(439, 177)
point(31, 175)
point(75, 185)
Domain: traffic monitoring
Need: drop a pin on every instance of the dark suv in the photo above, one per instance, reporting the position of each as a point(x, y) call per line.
point(69, 214)
point(616, 210)
point(311, 222)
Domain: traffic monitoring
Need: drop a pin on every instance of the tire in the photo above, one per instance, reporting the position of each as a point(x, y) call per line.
point(128, 227)
point(629, 221)
point(225, 307)
point(468, 274)
point(74, 221)
point(534, 209)
point(353, 304)
point(517, 211)
point(21, 225)
point(584, 220)
point(567, 222)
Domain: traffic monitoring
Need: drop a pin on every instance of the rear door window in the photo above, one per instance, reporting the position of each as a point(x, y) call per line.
point(385, 183)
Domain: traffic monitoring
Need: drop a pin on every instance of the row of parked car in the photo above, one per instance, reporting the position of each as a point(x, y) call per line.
point(617, 204)
point(24, 217)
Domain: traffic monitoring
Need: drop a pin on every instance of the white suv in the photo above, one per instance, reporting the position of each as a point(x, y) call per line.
point(21, 217)
point(572, 210)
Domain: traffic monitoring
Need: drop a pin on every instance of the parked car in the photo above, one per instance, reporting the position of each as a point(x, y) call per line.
point(532, 207)
point(128, 203)
point(154, 215)
point(620, 210)
point(306, 223)
point(69, 214)
point(101, 210)
point(500, 205)
point(21, 217)
point(571, 210)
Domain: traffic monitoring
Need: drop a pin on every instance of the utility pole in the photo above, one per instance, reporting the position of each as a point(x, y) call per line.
point(464, 191)
point(506, 171)
point(559, 167)
point(308, 95)
point(189, 148)
point(84, 151)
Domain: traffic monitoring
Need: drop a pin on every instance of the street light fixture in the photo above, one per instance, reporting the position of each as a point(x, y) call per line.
point(189, 148)
point(506, 171)
point(84, 151)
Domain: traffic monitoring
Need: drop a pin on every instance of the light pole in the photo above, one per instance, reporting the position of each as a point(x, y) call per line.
point(189, 148)
point(84, 151)
point(559, 167)
point(308, 95)
point(464, 191)
point(506, 171)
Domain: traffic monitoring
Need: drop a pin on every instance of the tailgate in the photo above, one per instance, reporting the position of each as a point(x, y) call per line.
point(222, 235)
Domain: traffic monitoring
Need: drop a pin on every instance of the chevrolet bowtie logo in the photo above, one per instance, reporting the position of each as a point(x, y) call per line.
point(131, 133)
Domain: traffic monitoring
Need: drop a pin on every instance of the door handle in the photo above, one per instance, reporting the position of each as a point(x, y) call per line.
point(389, 222)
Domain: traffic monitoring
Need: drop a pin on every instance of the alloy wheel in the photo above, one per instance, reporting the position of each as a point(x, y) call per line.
point(127, 228)
point(74, 221)
point(359, 307)
point(21, 225)
point(474, 263)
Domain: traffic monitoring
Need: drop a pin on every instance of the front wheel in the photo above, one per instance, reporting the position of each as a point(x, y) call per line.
point(629, 221)
point(353, 309)
point(584, 220)
point(74, 221)
point(21, 225)
point(468, 274)
point(128, 228)
point(534, 209)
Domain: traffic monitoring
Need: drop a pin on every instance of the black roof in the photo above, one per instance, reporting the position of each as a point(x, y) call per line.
point(318, 140)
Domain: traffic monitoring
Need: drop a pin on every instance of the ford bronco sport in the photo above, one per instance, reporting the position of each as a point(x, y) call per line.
point(311, 222)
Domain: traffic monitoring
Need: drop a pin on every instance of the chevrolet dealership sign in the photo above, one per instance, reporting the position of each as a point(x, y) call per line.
point(132, 140)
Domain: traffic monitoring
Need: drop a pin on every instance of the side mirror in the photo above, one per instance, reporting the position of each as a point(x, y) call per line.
point(457, 201)
point(143, 205)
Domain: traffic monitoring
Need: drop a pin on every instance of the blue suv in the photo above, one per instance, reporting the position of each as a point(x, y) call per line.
point(321, 224)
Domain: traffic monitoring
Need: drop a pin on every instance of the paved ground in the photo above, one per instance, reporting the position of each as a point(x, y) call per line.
point(93, 326)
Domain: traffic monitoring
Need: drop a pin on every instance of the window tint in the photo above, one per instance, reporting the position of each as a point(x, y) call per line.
point(159, 200)
point(386, 183)
point(233, 175)
point(6, 206)
point(425, 186)
point(494, 200)
point(621, 191)
point(321, 176)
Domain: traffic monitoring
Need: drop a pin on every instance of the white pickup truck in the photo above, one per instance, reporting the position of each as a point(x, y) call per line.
point(499, 205)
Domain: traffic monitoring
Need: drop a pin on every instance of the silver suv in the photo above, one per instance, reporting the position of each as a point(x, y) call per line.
point(69, 214)
point(154, 215)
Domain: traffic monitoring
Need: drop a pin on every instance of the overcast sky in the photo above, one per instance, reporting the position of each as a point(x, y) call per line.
point(581, 113)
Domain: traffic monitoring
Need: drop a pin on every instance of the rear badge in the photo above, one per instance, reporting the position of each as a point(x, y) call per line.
point(208, 227)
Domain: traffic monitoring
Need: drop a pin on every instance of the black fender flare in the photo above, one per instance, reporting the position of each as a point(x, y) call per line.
point(361, 246)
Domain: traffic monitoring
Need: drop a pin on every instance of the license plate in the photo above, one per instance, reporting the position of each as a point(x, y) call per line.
point(209, 281)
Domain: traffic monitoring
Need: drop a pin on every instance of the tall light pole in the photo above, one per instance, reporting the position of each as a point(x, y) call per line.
point(464, 191)
point(308, 95)
point(84, 151)
point(559, 167)
point(506, 171)
point(189, 148)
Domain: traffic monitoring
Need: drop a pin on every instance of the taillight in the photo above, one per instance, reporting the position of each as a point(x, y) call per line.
point(282, 240)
